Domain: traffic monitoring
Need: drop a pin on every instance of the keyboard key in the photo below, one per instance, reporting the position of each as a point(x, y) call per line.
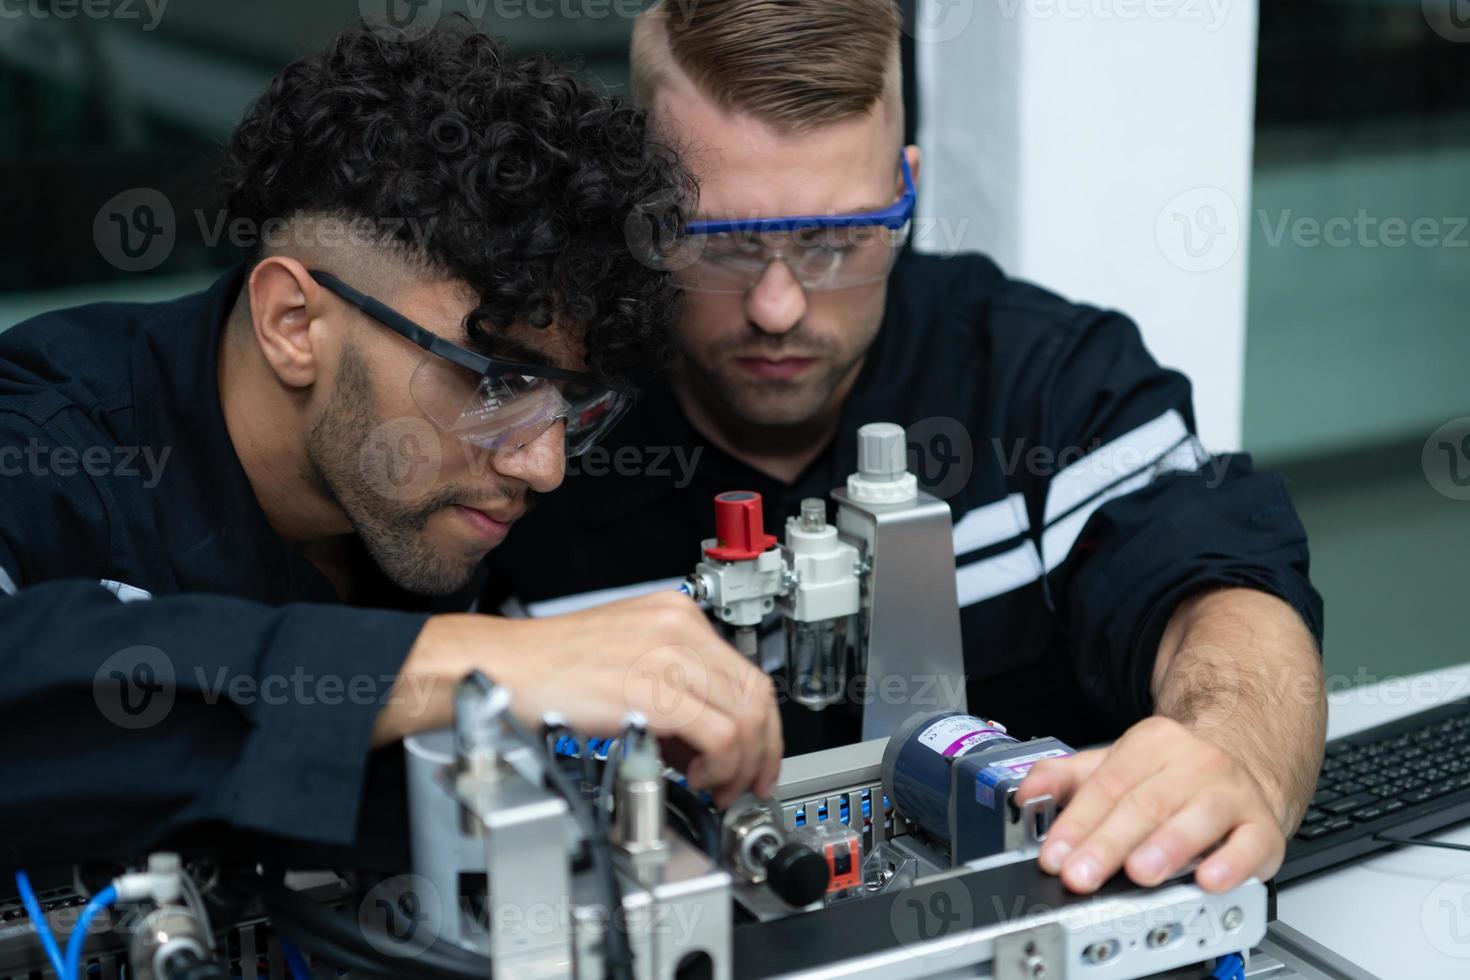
point(1367, 813)
point(1425, 794)
point(1350, 803)
point(1337, 823)
point(1391, 806)
point(1312, 832)
point(1313, 815)
point(1349, 788)
point(1324, 796)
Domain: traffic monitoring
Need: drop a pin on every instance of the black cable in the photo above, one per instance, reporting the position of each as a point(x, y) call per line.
point(701, 820)
point(189, 965)
point(1388, 839)
point(323, 933)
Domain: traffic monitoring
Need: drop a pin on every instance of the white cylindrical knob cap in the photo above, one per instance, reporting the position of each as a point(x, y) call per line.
point(882, 476)
point(882, 454)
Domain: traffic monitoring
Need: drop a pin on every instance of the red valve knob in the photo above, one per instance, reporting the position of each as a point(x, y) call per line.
point(739, 527)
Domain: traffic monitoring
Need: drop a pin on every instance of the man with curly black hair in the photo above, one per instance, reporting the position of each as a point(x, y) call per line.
point(443, 306)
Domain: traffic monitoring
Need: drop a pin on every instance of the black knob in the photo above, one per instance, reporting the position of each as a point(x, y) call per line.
point(798, 874)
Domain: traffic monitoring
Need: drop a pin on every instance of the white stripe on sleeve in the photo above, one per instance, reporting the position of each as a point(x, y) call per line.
point(586, 600)
point(991, 524)
point(1129, 453)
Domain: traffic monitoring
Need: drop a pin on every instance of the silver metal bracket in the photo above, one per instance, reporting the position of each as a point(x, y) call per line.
point(1031, 954)
point(1030, 821)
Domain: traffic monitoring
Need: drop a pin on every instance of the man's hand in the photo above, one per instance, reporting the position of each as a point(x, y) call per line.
point(712, 710)
point(1231, 757)
point(1151, 803)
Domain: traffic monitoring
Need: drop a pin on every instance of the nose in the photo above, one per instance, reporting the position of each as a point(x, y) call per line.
point(777, 302)
point(541, 464)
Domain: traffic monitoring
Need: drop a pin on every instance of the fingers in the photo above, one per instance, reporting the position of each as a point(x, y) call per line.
point(1117, 837)
point(660, 656)
point(1094, 796)
point(1150, 805)
point(745, 697)
point(1059, 778)
point(765, 786)
point(719, 704)
point(1254, 847)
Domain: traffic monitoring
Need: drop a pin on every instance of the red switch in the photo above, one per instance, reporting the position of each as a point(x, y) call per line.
point(739, 527)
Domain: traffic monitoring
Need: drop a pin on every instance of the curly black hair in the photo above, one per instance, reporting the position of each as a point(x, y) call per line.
point(510, 175)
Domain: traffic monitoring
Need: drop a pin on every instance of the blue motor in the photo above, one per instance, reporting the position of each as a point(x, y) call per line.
point(952, 775)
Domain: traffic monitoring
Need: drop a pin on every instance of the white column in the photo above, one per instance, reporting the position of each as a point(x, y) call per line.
point(1102, 148)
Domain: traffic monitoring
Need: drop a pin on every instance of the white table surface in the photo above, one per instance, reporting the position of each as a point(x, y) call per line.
point(1405, 914)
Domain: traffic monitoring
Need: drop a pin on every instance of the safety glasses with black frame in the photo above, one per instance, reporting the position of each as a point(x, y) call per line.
point(494, 404)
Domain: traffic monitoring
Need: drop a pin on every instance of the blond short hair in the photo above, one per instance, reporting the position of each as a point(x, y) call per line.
point(794, 64)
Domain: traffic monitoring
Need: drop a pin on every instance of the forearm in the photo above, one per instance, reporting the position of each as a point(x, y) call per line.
point(1239, 669)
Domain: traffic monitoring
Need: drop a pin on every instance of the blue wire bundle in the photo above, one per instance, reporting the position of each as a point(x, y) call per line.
point(43, 929)
point(597, 748)
point(1229, 967)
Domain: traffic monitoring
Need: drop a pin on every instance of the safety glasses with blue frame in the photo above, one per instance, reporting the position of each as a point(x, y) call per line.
point(824, 252)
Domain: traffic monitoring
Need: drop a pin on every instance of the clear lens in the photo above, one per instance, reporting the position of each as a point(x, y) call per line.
point(512, 410)
point(819, 258)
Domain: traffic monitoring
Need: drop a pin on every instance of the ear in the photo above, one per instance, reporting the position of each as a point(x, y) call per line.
point(916, 162)
point(284, 303)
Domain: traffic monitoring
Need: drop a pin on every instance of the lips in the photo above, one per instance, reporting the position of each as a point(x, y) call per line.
point(775, 368)
point(486, 525)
